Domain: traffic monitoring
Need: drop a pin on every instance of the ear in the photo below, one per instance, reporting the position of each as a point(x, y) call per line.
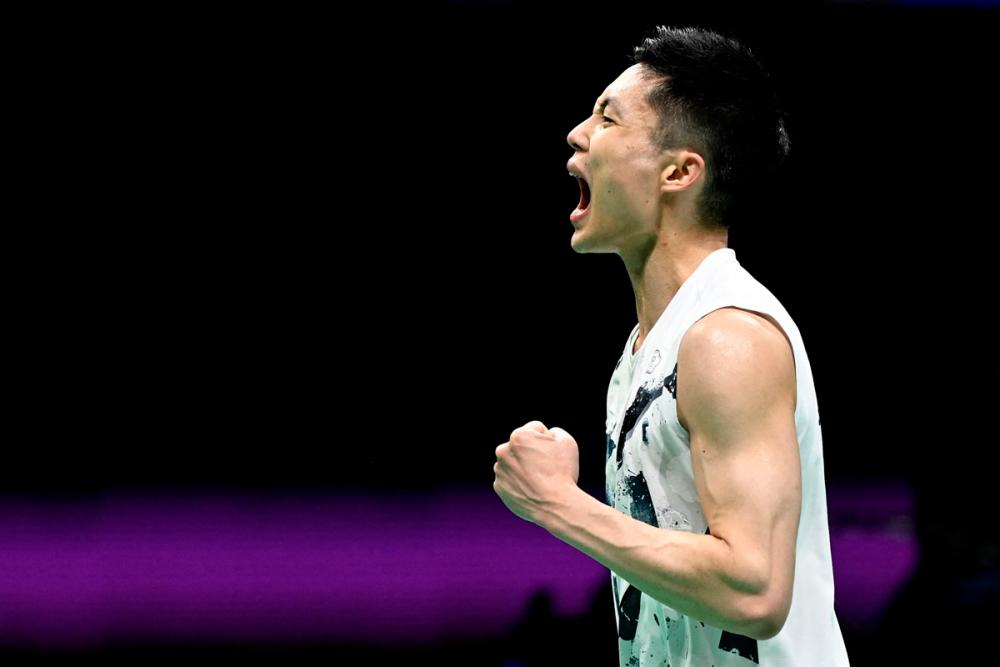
point(682, 170)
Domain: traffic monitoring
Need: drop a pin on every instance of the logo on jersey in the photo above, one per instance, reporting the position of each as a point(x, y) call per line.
point(653, 362)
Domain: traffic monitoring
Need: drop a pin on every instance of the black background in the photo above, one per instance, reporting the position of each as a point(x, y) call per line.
point(294, 251)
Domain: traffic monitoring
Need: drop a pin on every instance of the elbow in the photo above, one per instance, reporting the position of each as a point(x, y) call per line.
point(763, 603)
point(766, 627)
point(764, 616)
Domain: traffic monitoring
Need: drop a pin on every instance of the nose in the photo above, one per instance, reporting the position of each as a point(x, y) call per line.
point(577, 138)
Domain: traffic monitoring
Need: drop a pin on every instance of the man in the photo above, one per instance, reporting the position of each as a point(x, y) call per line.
point(715, 528)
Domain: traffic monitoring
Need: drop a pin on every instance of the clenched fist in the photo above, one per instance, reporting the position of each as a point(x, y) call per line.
point(535, 469)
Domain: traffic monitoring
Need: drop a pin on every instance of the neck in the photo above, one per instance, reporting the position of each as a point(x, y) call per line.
point(659, 272)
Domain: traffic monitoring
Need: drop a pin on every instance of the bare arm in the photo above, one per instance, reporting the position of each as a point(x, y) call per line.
point(736, 398)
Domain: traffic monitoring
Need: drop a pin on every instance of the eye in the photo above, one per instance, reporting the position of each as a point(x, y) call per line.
point(605, 119)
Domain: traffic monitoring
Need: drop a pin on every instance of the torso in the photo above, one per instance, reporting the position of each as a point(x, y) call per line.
point(649, 476)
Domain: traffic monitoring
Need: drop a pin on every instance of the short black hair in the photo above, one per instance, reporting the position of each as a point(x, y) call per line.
point(714, 96)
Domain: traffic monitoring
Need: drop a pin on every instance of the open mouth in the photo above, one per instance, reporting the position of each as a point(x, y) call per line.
point(584, 194)
point(583, 207)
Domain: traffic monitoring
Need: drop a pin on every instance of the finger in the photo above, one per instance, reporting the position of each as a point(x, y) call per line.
point(559, 433)
point(502, 448)
point(533, 426)
point(536, 426)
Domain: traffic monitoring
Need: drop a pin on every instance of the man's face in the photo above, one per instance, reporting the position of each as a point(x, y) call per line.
point(614, 153)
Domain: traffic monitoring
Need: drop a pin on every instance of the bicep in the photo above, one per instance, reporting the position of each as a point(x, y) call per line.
point(736, 398)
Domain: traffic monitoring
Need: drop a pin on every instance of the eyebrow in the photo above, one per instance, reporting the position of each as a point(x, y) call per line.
point(610, 102)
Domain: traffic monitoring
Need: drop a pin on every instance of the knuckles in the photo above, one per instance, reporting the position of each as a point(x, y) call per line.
point(532, 427)
point(561, 435)
point(522, 435)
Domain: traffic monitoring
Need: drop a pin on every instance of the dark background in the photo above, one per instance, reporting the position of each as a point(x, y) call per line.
point(311, 252)
point(289, 235)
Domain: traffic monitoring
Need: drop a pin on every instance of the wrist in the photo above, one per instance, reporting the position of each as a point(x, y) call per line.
point(561, 507)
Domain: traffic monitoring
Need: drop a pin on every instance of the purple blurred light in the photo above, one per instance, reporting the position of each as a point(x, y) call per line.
point(244, 568)
point(337, 569)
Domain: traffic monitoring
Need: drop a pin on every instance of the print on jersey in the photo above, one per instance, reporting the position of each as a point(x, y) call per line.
point(643, 397)
point(671, 383)
point(641, 503)
point(744, 646)
point(628, 613)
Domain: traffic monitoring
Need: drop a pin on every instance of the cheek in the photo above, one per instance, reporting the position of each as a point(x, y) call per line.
point(629, 182)
point(623, 195)
point(641, 192)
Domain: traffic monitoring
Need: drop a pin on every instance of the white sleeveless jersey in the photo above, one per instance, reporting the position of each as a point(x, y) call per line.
point(649, 477)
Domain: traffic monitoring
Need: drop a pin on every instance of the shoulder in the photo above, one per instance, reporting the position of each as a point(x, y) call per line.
point(734, 330)
point(734, 358)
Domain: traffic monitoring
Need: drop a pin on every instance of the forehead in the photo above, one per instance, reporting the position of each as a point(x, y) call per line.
point(630, 89)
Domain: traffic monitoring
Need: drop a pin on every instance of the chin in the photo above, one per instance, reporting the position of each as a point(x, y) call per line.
point(579, 242)
point(583, 245)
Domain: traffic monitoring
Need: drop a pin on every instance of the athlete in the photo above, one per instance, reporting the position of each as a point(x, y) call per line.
point(715, 525)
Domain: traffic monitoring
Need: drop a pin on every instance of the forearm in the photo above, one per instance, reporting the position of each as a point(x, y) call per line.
point(698, 575)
